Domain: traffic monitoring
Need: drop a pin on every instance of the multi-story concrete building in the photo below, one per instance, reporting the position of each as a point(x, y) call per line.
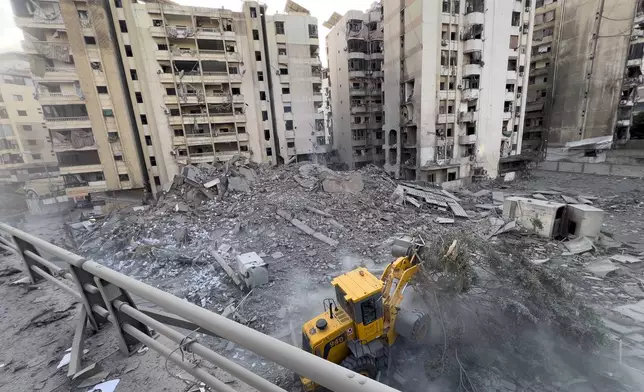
point(454, 79)
point(355, 55)
point(579, 55)
point(154, 86)
point(26, 157)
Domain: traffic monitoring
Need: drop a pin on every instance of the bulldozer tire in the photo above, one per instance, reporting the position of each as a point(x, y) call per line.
point(365, 365)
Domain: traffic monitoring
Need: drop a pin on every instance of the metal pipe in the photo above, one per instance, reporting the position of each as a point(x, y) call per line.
point(57, 282)
point(175, 357)
point(53, 267)
point(319, 370)
point(90, 288)
point(8, 243)
point(61, 253)
point(231, 367)
point(8, 249)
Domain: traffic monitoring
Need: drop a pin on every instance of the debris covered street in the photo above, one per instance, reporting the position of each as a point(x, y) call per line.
point(307, 224)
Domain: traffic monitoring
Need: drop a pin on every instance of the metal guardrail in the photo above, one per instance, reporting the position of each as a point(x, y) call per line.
point(106, 298)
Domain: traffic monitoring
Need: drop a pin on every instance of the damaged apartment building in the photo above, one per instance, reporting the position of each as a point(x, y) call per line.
point(355, 54)
point(583, 94)
point(153, 86)
point(455, 78)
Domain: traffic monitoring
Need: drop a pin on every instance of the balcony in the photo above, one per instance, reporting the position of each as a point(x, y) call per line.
point(634, 62)
point(284, 78)
point(507, 116)
point(282, 59)
point(356, 55)
point(357, 92)
point(197, 139)
point(205, 54)
point(317, 96)
point(357, 74)
point(378, 55)
point(58, 98)
point(469, 116)
point(213, 33)
point(509, 95)
point(624, 122)
point(473, 45)
point(626, 102)
point(85, 188)
point(377, 74)
point(539, 71)
point(472, 69)
point(474, 15)
point(219, 77)
point(467, 139)
point(76, 169)
point(445, 118)
point(511, 75)
point(68, 122)
point(358, 109)
point(56, 74)
point(470, 94)
point(40, 23)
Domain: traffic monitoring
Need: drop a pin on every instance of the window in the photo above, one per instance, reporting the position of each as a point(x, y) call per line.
point(108, 112)
point(118, 4)
point(267, 134)
point(281, 51)
point(148, 140)
point(516, 18)
point(258, 55)
point(514, 41)
point(32, 142)
point(153, 161)
point(144, 121)
point(279, 27)
point(262, 96)
point(90, 40)
point(157, 180)
point(162, 46)
point(290, 144)
point(118, 157)
point(139, 97)
point(22, 113)
point(286, 90)
point(236, 90)
point(178, 132)
point(157, 23)
point(253, 12)
point(283, 71)
point(264, 115)
point(313, 31)
point(289, 125)
point(128, 51)
point(3, 114)
point(368, 310)
point(17, 97)
point(287, 108)
point(233, 70)
point(123, 26)
point(260, 76)
point(124, 177)
point(26, 128)
point(36, 156)
point(269, 152)
point(101, 89)
point(171, 91)
point(256, 35)
point(133, 74)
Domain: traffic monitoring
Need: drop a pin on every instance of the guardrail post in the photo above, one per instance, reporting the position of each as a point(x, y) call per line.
point(27, 262)
point(110, 293)
point(89, 294)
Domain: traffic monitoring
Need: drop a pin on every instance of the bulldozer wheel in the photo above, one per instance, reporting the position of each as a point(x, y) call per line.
point(365, 365)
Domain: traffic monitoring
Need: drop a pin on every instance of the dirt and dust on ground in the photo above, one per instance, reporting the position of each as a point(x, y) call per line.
point(507, 319)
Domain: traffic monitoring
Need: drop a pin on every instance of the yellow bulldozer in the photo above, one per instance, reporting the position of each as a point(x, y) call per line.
point(358, 327)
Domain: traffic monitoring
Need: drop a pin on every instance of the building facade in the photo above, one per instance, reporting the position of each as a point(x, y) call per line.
point(583, 51)
point(26, 157)
point(153, 86)
point(455, 75)
point(355, 55)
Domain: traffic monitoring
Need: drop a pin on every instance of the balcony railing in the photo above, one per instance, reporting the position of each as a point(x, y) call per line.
point(57, 69)
point(62, 119)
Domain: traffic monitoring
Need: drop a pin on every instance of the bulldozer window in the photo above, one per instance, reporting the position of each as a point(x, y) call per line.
point(346, 306)
point(368, 309)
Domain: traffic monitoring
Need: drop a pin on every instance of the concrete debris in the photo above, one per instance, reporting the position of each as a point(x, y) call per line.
point(607, 242)
point(450, 195)
point(578, 246)
point(539, 261)
point(457, 209)
point(223, 248)
point(569, 200)
point(107, 386)
point(9, 271)
point(539, 196)
point(21, 281)
point(93, 380)
point(253, 269)
point(489, 206)
point(181, 235)
point(412, 201)
point(277, 255)
point(595, 143)
point(498, 196)
point(181, 207)
point(625, 259)
point(319, 212)
point(601, 268)
point(481, 193)
point(226, 267)
point(583, 200)
point(238, 184)
point(444, 220)
point(212, 183)
point(305, 228)
point(340, 184)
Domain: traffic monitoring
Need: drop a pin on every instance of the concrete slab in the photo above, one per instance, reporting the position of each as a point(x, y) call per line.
point(570, 167)
point(548, 165)
point(627, 170)
point(597, 168)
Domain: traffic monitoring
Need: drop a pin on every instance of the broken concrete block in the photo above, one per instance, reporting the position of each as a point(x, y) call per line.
point(223, 248)
point(543, 217)
point(601, 268)
point(444, 220)
point(626, 259)
point(181, 207)
point(253, 269)
point(498, 196)
point(578, 245)
point(352, 184)
point(569, 200)
point(584, 220)
point(238, 184)
point(539, 196)
point(249, 174)
point(277, 255)
point(212, 183)
point(191, 175)
point(181, 235)
point(482, 192)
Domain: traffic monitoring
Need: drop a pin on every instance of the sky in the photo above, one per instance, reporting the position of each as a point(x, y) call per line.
point(321, 9)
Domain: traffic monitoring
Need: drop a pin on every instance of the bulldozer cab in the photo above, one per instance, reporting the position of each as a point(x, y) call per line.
point(359, 294)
